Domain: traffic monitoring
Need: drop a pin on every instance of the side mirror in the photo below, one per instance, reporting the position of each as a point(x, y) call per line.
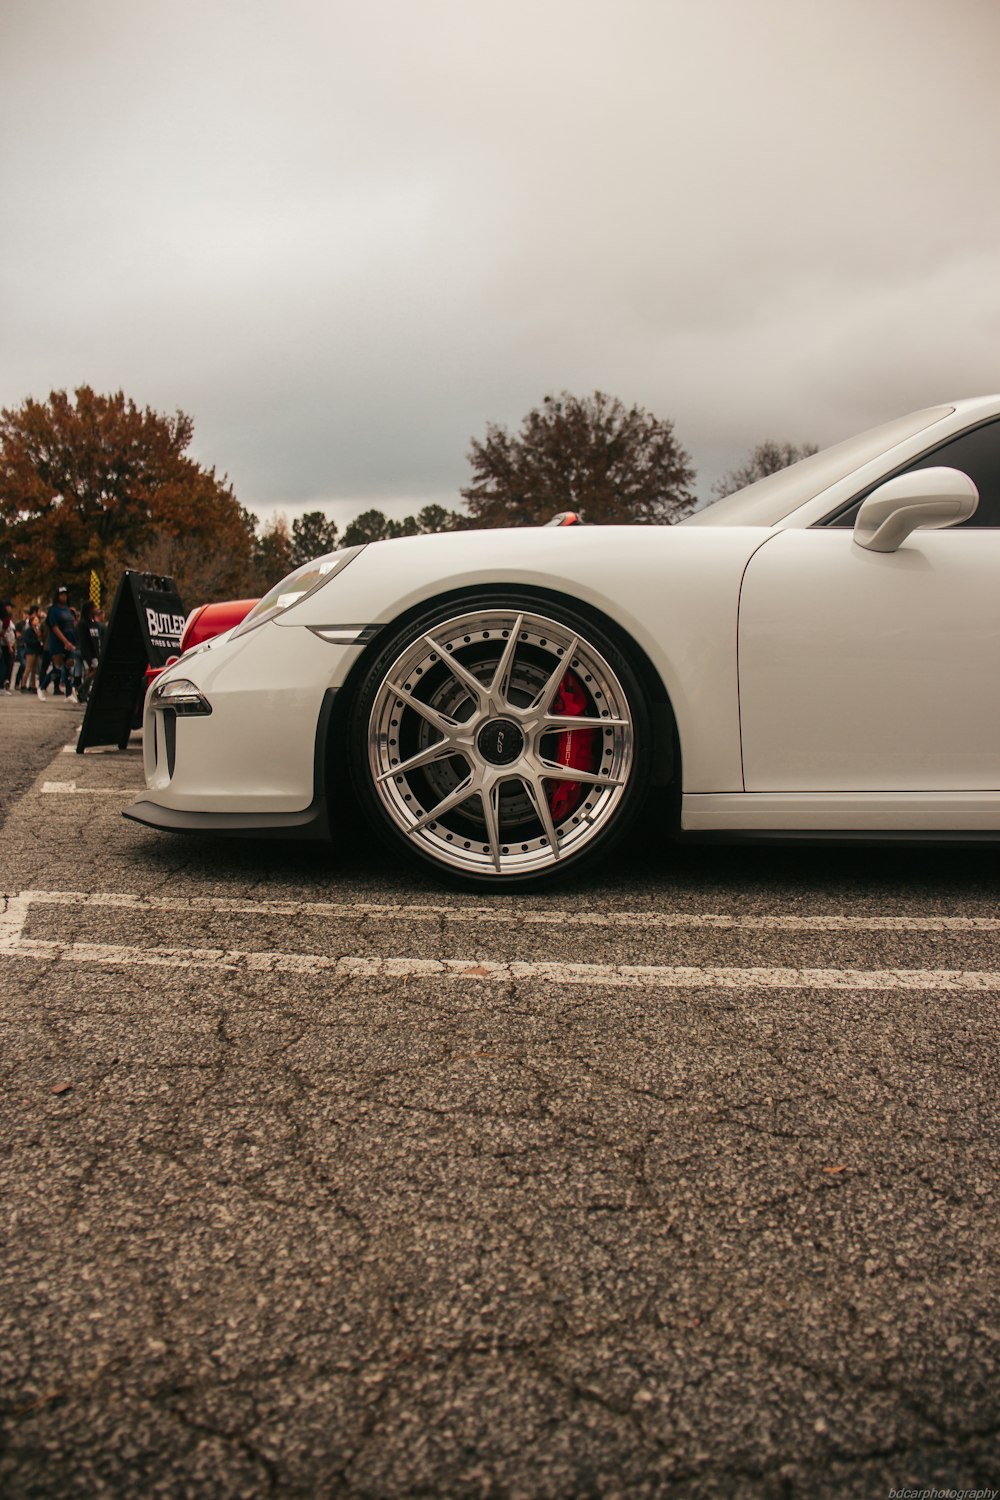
point(929, 498)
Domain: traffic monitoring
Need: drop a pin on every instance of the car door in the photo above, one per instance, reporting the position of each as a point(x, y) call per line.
point(876, 672)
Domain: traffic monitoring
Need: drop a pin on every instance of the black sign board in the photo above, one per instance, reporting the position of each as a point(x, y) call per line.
point(144, 630)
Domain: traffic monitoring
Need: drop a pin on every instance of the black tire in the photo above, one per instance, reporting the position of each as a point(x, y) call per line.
point(450, 704)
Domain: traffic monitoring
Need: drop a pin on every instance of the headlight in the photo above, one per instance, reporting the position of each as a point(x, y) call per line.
point(180, 695)
point(296, 587)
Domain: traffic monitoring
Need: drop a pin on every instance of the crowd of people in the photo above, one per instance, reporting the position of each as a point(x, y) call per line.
point(55, 648)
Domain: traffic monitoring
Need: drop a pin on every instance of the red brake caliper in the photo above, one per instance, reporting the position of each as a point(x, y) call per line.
point(578, 748)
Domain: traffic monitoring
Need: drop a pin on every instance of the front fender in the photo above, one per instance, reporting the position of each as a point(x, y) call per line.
point(673, 591)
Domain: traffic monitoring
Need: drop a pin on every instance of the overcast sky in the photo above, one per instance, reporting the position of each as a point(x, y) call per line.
point(345, 236)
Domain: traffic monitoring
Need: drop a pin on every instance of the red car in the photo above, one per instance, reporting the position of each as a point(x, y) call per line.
point(202, 624)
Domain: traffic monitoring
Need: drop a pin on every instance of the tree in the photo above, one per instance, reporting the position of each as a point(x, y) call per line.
point(202, 573)
point(370, 526)
point(594, 455)
point(250, 522)
point(272, 556)
point(375, 526)
point(767, 458)
point(434, 518)
point(406, 527)
point(96, 482)
point(313, 535)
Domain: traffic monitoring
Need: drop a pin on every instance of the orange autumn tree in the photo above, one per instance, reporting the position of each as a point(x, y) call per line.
point(96, 482)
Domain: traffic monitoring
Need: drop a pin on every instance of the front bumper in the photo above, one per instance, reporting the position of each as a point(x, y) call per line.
point(258, 761)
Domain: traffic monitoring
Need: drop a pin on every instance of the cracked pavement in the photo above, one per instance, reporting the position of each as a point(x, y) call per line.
point(317, 1234)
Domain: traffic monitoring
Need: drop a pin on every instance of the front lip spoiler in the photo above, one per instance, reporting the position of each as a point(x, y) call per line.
point(311, 823)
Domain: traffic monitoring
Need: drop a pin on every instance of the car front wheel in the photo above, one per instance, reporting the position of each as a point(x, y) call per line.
point(502, 742)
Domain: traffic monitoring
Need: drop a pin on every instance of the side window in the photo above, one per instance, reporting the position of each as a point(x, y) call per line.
point(976, 453)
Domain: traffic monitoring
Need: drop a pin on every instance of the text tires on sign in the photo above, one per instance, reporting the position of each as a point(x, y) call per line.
point(499, 739)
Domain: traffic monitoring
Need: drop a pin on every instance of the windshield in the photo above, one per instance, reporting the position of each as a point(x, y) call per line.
point(771, 499)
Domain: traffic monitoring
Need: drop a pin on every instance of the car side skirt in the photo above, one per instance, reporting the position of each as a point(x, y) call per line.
point(874, 815)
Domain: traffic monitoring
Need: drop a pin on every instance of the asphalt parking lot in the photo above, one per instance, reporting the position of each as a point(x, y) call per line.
point(322, 1179)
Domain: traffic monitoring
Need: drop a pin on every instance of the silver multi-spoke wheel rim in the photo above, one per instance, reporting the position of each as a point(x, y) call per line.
point(464, 733)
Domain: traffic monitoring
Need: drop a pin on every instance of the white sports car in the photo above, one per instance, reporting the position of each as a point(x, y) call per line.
point(817, 655)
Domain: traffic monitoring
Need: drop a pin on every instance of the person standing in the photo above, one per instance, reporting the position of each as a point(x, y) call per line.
point(20, 652)
point(32, 638)
point(73, 673)
point(61, 639)
point(8, 645)
point(91, 644)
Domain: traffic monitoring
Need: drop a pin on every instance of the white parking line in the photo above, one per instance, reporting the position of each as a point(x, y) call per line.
point(13, 944)
point(512, 915)
point(70, 789)
point(104, 749)
point(615, 975)
point(12, 920)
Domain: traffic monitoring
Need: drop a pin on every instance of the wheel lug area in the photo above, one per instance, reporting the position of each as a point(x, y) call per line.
point(500, 741)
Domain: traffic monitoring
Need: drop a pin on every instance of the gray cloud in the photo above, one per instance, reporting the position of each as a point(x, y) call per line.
point(344, 238)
